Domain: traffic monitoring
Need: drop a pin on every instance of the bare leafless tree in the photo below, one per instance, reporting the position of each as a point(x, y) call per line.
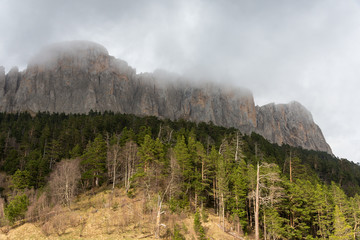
point(130, 159)
point(267, 192)
point(64, 181)
point(113, 163)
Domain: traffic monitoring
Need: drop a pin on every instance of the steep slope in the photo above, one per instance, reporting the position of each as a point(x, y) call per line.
point(76, 77)
point(109, 216)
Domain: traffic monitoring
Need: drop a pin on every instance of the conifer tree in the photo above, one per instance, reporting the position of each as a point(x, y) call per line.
point(342, 230)
point(355, 209)
point(206, 170)
point(183, 158)
point(239, 194)
point(16, 208)
point(93, 161)
point(222, 188)
point(213, 160)
point(126, 135)
point(251, 176)
point(225, 164)
point(21, 180)
point(161, 167)
point(301, 207)
point(341, 200)
point(197, 157)
point(75, 151)
point(199, 229)
point(152, 159)
point(147, 154)
point(323, 207)
point(53, 153)
point(275, 224)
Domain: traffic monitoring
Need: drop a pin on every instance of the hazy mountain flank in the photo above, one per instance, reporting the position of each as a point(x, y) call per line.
point(76, 77)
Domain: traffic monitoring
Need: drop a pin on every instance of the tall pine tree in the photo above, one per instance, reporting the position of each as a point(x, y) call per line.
point(94, 161)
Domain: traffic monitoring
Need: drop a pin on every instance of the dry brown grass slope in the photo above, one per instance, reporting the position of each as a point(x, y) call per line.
point(111, 215)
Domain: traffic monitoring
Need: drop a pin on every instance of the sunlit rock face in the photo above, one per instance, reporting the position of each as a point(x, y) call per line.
point(79, 76)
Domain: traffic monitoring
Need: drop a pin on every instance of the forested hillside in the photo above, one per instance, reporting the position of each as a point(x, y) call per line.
point(257, 188)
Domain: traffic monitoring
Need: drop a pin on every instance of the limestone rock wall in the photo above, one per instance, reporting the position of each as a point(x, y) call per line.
point(291, 124)
point(76, 77)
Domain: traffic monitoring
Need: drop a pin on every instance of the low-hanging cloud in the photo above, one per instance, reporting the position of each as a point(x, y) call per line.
point(282, 50)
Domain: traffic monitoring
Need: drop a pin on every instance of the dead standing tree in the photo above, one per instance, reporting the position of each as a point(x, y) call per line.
point(130, 159)
point(267, 191)
point(121, 163)
point(113, 161)
point(159, 212)
point(64, 181)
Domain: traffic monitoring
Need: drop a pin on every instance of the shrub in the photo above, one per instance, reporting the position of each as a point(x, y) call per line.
point(177, 205)
point(177, 235)
point(58, 224)
point(199, 229)
point(205, 216)
point(16, 208)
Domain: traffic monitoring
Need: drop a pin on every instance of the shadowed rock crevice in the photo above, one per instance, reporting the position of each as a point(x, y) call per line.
point(76, 77)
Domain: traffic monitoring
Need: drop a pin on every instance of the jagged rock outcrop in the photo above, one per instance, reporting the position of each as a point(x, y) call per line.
point(291, 124)
point(76, 77)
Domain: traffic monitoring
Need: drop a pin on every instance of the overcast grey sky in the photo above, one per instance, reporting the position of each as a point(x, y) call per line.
point(282, 50)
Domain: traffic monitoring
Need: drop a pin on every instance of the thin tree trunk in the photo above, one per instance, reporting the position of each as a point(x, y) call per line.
point(67, 197)
point(355, 227)
point(158, 215)
point(158, 218)
point(223, 210)
point(96, 181)
point(44, 147)
point(214, 186)
point(196, 197)
point(114, 169)
point(170, 136)
point(264, 225)
point(125, 177)
point(207, 146)
point(290, 169)
point(237, 146)
point(159, 135)
point(238, 219)
point(202, 178)
point(257, 203)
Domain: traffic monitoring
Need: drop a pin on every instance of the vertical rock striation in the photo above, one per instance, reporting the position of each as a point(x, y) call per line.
point(291, 124)
point(79, 76)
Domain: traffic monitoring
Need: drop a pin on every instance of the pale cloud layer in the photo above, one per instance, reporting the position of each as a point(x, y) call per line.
point(282, 50)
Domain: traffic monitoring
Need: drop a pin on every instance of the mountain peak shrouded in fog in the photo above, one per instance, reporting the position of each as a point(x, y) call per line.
point(69, 49)
point(79, 76)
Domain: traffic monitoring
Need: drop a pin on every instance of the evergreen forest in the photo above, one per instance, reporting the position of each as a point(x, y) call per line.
point(256, 188)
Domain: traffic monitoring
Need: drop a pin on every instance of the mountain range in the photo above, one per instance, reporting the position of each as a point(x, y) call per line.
point(80, 76)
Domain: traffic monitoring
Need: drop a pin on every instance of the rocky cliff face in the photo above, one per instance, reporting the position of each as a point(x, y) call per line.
point(76, 77)
point(291, 124)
